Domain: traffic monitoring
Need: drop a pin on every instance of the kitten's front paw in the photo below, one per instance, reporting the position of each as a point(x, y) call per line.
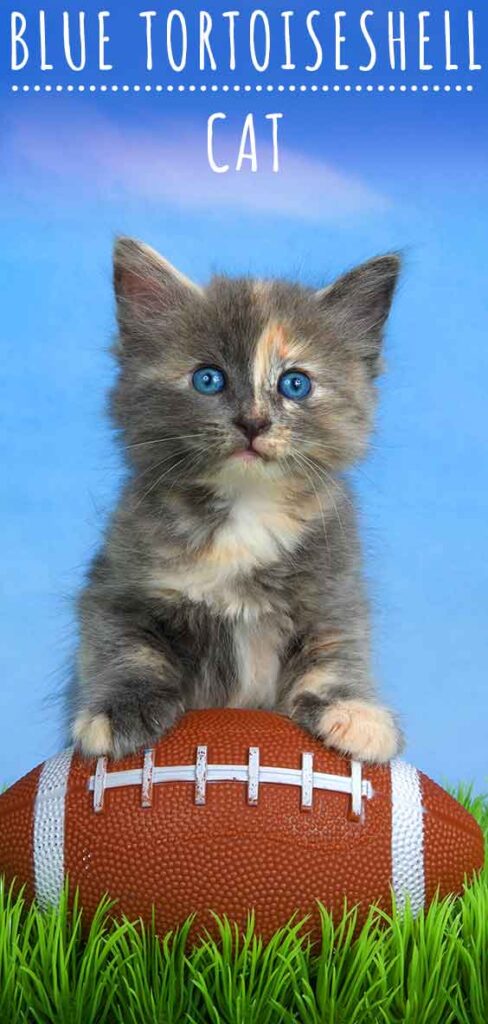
point(365, 731)
point(92, 734)
point(126, 727)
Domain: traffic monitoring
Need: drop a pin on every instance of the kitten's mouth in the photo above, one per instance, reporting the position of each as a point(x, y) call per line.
point(247, 454)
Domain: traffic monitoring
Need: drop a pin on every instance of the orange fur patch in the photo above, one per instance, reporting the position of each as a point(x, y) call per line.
point(272, 347)
point(317, 681)
point(327, 642)
point(274, 444)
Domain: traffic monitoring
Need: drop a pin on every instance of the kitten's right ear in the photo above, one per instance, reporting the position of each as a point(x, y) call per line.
point(359, 302)
point(145, 283)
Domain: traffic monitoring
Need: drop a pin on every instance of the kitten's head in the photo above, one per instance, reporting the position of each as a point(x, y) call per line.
point(245, 379)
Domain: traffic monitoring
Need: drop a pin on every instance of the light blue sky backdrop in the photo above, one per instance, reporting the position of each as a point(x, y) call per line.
point(360, 175)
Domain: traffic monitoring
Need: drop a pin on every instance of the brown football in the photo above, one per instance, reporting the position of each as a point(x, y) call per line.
point(235, 810)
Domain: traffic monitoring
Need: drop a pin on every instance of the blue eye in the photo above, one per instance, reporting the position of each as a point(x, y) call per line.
point(294, 384)
point(208, 380)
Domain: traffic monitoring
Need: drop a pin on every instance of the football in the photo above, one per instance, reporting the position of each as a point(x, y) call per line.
point(232, 811)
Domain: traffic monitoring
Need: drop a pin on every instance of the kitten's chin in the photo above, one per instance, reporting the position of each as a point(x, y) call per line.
point(246, 469)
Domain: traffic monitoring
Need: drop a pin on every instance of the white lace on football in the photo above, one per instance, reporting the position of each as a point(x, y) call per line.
point(253, 774)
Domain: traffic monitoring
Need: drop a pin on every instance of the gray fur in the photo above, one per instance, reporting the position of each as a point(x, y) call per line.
point(148, 652)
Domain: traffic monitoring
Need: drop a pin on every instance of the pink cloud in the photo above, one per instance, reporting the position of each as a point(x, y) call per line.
point(171, 166)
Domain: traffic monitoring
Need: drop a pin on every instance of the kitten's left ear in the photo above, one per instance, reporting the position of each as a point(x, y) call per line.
point(359, 303)
point(144, 282)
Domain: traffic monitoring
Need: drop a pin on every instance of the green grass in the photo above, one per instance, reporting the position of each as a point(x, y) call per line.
point(428, 970)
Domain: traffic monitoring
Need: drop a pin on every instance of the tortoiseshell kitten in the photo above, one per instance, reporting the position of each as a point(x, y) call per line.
point(231, 573)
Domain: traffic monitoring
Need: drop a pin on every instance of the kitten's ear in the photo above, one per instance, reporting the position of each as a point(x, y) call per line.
point(145, 283)
point(359, 303)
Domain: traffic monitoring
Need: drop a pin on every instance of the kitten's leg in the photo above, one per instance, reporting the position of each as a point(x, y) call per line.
point(130, 688)
point(333, 698)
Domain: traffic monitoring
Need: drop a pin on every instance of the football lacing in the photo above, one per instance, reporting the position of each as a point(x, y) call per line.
point(254, 774)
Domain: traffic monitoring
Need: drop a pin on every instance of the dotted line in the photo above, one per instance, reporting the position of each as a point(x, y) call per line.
point(242, 88)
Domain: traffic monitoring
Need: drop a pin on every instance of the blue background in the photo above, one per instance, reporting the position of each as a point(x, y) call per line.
point(360, 174)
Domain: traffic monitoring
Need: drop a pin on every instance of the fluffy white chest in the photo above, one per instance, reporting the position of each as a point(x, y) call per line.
point(257, 529)
point(257, 652)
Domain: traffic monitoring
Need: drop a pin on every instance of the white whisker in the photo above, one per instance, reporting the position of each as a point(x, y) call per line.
point(298, 458)
point(326, 478)
point(165, 440)
point(161, 477)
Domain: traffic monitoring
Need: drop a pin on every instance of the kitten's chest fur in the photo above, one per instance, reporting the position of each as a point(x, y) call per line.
point(260, 530)
point(257, 653)
point(229, 576)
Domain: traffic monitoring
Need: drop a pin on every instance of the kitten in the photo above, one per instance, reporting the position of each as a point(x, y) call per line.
point(230, 573)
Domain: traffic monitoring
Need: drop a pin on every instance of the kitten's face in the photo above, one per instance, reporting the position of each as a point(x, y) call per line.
point(245, 379)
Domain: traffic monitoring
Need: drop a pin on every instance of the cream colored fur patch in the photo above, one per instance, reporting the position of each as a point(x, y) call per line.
point(93, 733)
point(257, 650)
point(362, 730)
